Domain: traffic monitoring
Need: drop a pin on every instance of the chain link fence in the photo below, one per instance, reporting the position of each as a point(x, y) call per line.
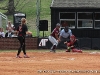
point(29, 7)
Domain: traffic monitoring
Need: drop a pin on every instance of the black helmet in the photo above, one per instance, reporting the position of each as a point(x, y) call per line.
point(66, 29)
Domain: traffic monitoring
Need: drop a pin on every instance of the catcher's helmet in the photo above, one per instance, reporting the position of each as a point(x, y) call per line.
point(72, 38)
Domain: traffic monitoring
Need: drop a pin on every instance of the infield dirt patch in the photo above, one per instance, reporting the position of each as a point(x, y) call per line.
point(46, 63)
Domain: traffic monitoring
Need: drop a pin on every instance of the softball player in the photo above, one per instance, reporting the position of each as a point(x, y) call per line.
point(72, 44)
point(54, 37)
point(22, 29)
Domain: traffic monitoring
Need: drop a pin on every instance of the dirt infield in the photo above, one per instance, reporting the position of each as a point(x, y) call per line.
point(46, 63)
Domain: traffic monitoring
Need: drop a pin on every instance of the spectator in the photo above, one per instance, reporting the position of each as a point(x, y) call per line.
point(9, 29)
point(10, 26)
point(2, 33)
point(14, 34)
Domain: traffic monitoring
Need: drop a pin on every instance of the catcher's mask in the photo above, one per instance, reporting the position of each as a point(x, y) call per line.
point(66, 29)
point(72, 38)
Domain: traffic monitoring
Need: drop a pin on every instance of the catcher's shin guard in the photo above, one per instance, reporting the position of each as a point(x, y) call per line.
point(76, 50)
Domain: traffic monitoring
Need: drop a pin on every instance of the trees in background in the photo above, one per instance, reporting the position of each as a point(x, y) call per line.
point(13, 6)
point(9, 7)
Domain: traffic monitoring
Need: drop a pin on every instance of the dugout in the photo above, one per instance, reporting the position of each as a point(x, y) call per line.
point(83, 18)
point(17, 19)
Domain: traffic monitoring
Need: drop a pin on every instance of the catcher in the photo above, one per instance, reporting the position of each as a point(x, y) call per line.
point(72, 45)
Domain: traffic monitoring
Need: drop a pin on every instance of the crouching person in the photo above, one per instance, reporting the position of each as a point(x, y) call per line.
point(72, 45)
point(54, 37)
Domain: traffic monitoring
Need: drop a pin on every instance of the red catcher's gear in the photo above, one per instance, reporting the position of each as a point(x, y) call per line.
point(76, 50)
point(72, 40)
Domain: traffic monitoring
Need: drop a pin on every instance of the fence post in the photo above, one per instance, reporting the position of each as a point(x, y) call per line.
point(0, 21)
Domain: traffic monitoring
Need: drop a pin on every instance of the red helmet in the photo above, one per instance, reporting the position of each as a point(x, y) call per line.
point(72, 38)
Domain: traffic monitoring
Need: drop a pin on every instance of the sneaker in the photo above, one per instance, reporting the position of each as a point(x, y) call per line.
point(25, 56)
point(18, 56)
point(52, 50)
point(68, 50)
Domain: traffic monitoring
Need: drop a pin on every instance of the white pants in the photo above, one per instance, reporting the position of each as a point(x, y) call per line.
point(53, 40)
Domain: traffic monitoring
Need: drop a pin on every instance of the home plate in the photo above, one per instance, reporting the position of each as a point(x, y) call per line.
point(59, 59)
point(93, 53)
point(71, 58)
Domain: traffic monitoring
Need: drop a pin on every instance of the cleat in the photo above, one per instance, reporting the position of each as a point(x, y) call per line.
point(18, 56)
point(67, 50)
point(52, 51)
point(25, 56)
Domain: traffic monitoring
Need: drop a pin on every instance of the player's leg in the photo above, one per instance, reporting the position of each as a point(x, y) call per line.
point(54, 42)
point(23, 46)
point(24, 49)
point(76, 47)
point(76, 50)
point(19, 49)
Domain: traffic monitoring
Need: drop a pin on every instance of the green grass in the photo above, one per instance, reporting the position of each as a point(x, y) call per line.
point(47, 50)
point(29, 7)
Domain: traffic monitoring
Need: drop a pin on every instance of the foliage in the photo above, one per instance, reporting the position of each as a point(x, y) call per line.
point(29, 8)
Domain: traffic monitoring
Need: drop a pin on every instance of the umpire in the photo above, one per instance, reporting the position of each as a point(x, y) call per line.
point(22, 29)
point(65, 35)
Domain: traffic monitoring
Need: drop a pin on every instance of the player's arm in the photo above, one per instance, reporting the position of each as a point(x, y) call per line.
point(17, 31)
point(72, 46)
point(70, 33)
point(60, 36)
point(65, 42)
point(26, 29)
point(56, 35)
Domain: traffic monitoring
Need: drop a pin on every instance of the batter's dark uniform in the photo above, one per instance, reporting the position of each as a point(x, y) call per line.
point(21, 38)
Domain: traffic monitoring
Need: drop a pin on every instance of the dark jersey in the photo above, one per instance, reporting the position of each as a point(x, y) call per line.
point(55, 31)
point(22, 30)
